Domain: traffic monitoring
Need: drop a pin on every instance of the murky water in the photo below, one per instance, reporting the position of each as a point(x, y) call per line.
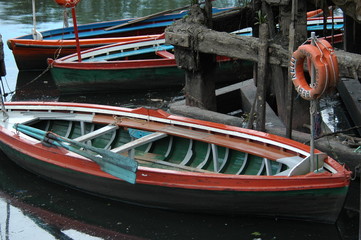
point(33, 208)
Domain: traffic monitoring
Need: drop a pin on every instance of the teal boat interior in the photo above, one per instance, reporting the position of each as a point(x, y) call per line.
point(160, 150)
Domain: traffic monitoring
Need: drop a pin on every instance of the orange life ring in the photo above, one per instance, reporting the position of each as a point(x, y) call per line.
point(67, 3)
point(332, 63)
point(312, 53)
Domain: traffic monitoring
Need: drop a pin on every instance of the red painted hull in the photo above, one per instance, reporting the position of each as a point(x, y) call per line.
point(33, 54)
point(311, 197)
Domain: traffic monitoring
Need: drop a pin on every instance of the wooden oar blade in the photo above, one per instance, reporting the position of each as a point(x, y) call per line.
point(109, 157)
point(117, 165)
point(118, 172)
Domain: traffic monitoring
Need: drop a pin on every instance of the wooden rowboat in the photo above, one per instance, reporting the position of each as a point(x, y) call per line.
point(31, 54)
point(175, 162)
point(139, 65)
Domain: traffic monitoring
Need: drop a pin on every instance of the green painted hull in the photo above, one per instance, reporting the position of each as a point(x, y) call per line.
point(98, 80)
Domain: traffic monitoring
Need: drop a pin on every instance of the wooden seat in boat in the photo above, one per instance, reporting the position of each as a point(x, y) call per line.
point(139, 142)
point(300, 166)
point(165, 54)
point(128, 53)
point(96, 133)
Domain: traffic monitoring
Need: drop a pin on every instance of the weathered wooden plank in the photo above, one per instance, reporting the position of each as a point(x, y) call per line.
point(244, 47)
point(231, 45)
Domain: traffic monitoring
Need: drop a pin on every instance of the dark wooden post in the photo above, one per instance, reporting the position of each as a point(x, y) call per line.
point(352, 35)
point(199, 86)
point(293, 22)
point(208, 13)
point(2, 58)
point(261, 77)
point(291, 48)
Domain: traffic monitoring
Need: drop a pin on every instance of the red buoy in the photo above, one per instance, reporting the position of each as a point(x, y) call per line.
point(67, 3)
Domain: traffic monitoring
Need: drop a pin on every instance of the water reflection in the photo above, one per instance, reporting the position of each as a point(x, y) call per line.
point(20, 11)
point(49, 211)
point(39, 86)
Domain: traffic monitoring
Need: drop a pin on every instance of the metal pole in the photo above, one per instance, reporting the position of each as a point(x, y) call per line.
point(3, 109)
point(76, 33)
point(34, 21)
point(313, 108)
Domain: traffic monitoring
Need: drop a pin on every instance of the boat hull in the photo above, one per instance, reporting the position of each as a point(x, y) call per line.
point(33, 54)
point(317, 195)
point(310, 204)
point(133, 75)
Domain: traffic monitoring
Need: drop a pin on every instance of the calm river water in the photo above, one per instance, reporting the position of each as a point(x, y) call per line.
point(33, 208)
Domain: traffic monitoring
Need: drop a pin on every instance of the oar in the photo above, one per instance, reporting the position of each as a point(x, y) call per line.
point(112, 163)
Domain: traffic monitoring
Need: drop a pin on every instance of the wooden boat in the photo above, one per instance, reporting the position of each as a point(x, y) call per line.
point(317, 24)
point(140, 65)
point(175, 162)
point(31, 54)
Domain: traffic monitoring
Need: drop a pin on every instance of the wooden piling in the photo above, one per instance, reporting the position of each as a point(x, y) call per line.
point(2, 58)
point(291, 48)
point(261, 77)
point(198, 66)
point(352, 36)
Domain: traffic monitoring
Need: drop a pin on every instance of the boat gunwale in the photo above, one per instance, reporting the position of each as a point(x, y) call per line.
point(109, 65)
point(84, 42)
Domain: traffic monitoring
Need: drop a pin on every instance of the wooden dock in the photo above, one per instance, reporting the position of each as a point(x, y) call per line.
point(350, 92)
point(246, 93)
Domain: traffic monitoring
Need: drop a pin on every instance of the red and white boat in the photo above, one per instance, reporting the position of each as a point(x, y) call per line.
point(173, 162)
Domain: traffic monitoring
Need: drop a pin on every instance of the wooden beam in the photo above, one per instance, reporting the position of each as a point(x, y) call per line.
point(225, 44)
point(244, 47)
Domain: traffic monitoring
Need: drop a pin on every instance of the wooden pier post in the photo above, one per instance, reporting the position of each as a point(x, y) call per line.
point(352, 36)
point(199, 86)
point(2, 58)
point(291, 48)
point(293, 22)
point(261, 77)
